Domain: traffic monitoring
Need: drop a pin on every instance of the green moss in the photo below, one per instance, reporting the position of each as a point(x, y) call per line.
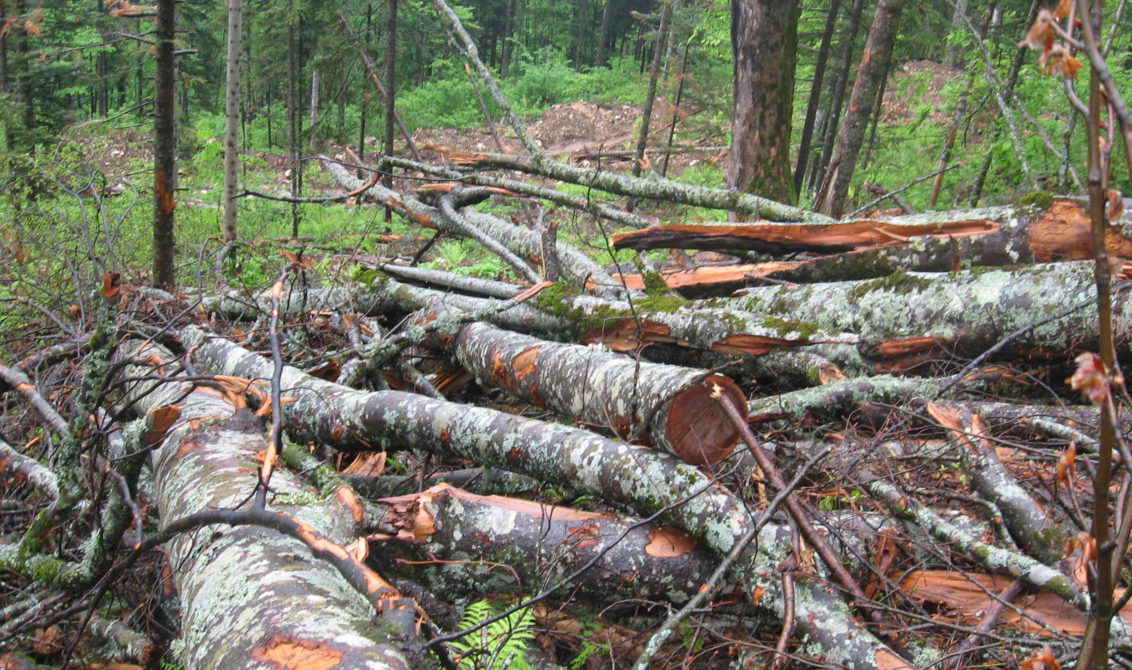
point(654, 282)
point(785, 326)
point(1039, 199)
point(660, 303)
point(44, 569)
point(900, 282)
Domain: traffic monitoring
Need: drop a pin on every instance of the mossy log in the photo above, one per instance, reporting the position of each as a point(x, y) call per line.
point(542, 544)
point(647, 480)
point(668, 406)
point(236, 611)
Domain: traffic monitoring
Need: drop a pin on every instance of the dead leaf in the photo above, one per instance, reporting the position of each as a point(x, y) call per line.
point(1041, 659)
point(367, 464)
point(1090, 377)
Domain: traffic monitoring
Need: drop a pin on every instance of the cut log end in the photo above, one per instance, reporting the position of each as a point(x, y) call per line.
point(697, 427)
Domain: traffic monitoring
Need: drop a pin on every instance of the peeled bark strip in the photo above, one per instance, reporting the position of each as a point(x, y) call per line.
point(236, 611)
point(670, 407)
point(965, 312)
point(1013, 237)
point(542, 544)
point(782, 238)
point(647, 480)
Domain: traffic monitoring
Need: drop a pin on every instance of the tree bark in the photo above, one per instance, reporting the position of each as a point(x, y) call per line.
point(815, 95)
point(650, 97)
point(603, 34)
point(232, 117)
point(668, 406)
point(646, 561)
point(336, 415)
point(820, 162)
point(962, 312)
point(862, 103)
point(764, 40)
point(164, 148)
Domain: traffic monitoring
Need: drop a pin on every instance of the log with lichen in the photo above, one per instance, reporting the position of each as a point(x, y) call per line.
point(671, 407)
point(938, 242)
point(963, 313)
point(561, 312)
point(541, 544)
point(236, 612)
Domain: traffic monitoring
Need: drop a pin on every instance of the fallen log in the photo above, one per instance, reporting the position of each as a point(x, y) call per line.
point(662, 189)
point(782, 238)
point(235, 610)
point(1046, 309)
point(670, 407)
point(562, 313)
point(1012, 237)
point(541, 544)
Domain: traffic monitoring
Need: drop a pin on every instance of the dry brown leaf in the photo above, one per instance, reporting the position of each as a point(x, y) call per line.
point(367, 464)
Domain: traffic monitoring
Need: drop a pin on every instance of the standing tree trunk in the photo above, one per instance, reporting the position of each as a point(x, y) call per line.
point(837, 96)
point(314, 109)
point(603, 34)
point(294, 120)
point(764, 39)
point(232, 117)
point(365, 97)
point(815, 95)
point(862, 104)
point(955, 53)
point(164, 147)
point(1011, 82)
point(391, 99)
point(654, 74)
point(508, 36)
